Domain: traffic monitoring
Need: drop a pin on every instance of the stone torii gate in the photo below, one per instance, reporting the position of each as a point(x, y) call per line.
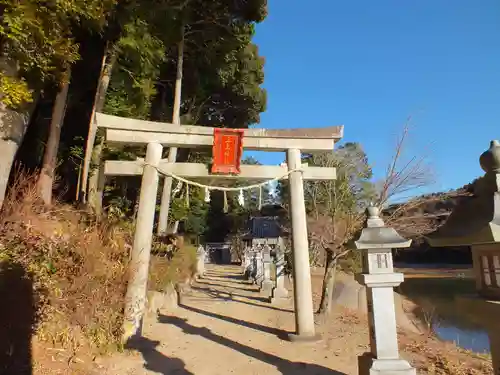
point(155, 135)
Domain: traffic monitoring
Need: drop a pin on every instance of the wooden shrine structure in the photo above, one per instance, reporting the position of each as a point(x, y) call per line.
point(156, 135)
point(262, 230)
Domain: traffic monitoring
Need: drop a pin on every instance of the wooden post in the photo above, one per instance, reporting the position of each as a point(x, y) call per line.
point(135, 299)
point(304, 314)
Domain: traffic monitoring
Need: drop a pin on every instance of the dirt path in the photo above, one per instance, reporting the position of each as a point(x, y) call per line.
point(223, 327)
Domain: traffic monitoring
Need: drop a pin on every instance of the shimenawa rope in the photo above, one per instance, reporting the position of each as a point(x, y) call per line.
point(223, 188)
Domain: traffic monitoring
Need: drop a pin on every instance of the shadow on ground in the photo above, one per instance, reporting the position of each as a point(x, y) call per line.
point(156, 361)
point(236, 277)
point(283, 335)
point(229, 296)
point(18, 317)
point(284, 366)
point(232, 277)
point(224, 284)
point(246, 286)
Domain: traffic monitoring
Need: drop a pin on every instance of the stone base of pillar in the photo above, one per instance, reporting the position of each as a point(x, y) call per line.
point(368, 365)
point(294, 337)
point(279, 295)
point(266, 288)
point(278, 300)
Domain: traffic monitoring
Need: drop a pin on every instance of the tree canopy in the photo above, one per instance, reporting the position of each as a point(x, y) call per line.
point(121, 58)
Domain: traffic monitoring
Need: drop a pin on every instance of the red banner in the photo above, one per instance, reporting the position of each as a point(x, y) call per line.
point(227, 150)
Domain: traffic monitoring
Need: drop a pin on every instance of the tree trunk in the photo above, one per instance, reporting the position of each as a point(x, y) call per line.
point(96, 181)
point(172, 154)
point(328, 287)
point(13, 126)
point(46, 178)
point(91, 153)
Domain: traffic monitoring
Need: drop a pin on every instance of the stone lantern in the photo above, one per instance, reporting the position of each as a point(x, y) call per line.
point(475, 222)
point(376, 243)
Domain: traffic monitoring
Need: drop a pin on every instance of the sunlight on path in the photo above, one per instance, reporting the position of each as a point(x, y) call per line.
point(223, 327)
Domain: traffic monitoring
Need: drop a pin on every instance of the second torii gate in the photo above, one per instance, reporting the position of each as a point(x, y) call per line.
point(156, 135)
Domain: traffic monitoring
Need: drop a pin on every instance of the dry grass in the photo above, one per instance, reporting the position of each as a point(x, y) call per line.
point(434, 357)
point(72, 273)
point(180, 267)
point(424, 351)
point(440, 365)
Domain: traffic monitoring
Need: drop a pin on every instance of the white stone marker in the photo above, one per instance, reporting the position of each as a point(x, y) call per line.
point(251, 266)
point(247, 262)
point(267, 284)
point(279, 291)
point(304, 313)
point(207, 255)
point(259, 267)
point(200, 261)
point(135, 299)
point(376, 242)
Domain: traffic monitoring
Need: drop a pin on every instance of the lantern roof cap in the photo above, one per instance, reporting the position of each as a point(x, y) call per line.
point(476, 219)
point(377, 236)
point(490, 159)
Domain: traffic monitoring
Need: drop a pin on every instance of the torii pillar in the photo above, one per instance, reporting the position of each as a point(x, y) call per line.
point(304, 313)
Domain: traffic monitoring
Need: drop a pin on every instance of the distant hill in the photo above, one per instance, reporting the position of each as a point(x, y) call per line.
point(430, 211)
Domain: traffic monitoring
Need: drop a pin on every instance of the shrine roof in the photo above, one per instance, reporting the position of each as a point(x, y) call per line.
point(264, 227)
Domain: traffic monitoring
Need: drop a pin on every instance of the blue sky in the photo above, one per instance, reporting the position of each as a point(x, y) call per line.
point(369, 65)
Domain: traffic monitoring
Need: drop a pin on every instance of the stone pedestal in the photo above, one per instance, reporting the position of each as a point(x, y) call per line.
point(251, 265)
point(368, 365)
point(252, 271)
point(200, 261)
point(376, 242)
point(267, 284)
point(245, 263)
point(259, 268)
point(279, 293)
point(384, 356)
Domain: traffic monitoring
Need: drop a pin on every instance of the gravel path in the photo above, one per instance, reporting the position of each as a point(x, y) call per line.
point(225, 327)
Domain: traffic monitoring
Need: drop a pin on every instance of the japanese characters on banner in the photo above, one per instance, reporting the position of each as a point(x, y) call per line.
point(227, 150)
